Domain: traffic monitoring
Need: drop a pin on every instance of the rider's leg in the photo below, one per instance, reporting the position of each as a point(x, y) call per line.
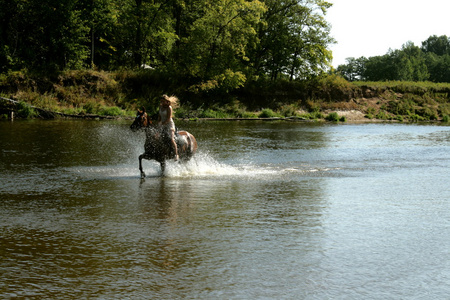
point(174, 144)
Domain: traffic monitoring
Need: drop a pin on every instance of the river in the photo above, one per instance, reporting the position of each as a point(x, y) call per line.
point(265, 210)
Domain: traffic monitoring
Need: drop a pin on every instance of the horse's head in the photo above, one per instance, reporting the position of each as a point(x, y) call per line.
point(141, 120)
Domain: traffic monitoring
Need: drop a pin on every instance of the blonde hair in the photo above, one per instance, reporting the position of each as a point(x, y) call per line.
point(174, 102)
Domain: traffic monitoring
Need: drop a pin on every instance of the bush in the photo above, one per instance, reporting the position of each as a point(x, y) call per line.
point(111, 111)
point(415, 118)
point(267, 113)
point(316, 114)
point(383, 115)
point(25, 111)
point(446, 119)
point(288, 110)
point(209, 113)
point(428, 113)
point(91, 107)
point(333, 117)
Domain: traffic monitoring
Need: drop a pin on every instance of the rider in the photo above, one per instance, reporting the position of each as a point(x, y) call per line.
point(167, 104)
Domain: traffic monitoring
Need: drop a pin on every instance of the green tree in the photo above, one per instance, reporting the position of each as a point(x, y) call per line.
point(48, 34)
point(293, 39)
point(439, 67)
point(101, 17)
point(437, 45)
point(354, 69)
point(145, 33)
point(380, 68)
point(216, 43)
point(410, 62)
point(437, 50)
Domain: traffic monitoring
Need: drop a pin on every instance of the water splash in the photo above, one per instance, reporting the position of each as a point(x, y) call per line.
point(202, 165)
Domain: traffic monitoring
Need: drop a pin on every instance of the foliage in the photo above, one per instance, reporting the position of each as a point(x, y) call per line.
point(268, 113)
point(332, 88)
point(111, 111)
point(288, 110)
point(121, 93)
point(293, 38)
point(410, 63)
point(333, 117)
point(42, 35)
point(214, 46)
point(24, 110)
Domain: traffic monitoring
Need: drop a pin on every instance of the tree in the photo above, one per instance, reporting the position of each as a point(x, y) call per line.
point(437, 50)
point(410, 63)
point(216, 43)
point(354, 69)
point(101, 17)
point(293, 39)
point(439, 67)
point(380, 68)
point(145, 33)
point(437, 45)
point(46, 35)
point(221, 43)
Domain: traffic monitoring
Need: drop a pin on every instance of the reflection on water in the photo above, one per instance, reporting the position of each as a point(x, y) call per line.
point(265, 210)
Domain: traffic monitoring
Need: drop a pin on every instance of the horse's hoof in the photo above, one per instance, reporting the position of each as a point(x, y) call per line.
point(142, 175)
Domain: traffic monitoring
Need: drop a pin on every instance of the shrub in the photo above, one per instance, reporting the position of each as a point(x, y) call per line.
point(313, 115)
point(111, 111)
point(91, 107)
point(333, 88)
point(415, 118)
point(288, 110)
point(209, 113)
point(428, 113)
point(267, 113)
point(446, 119)
point(382, 115)
point(333, 117)
point(247, 114)
point(25, 111)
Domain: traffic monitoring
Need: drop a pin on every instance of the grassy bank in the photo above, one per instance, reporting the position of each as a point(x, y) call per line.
point(121, 93)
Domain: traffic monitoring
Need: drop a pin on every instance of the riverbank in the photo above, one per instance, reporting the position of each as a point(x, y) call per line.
point(98, 94)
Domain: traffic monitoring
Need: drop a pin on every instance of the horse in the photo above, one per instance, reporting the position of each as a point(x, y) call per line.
point(158, 147)
point(141, 121)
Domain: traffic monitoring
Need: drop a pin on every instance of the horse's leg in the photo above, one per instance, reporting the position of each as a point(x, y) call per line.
point(163, 167)
point(140, 166)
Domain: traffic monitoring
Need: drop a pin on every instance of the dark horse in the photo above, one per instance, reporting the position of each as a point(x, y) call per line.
point(141, 120)
point(158, 146)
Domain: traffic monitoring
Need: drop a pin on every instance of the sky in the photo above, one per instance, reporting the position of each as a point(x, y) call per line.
point(370, 27)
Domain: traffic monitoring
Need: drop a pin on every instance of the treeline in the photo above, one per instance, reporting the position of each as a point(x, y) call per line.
point(429, 62)
point(212, 44)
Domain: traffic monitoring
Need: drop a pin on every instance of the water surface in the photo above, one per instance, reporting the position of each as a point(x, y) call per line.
point(264, 211)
